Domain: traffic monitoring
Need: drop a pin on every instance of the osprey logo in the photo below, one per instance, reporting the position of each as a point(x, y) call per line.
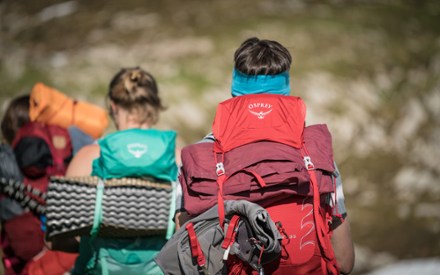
point(137, 149)
point(261, 114)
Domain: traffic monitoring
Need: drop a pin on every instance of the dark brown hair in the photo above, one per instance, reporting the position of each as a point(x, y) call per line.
point(262, 57)
point(16, 115)
point(135, 90)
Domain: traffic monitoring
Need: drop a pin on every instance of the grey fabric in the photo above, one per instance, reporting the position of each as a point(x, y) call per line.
point(9, 169)
point(262, 226)
point(78, 138)
point(210, 237)
point(175, 257)
point(9, 208)
point(339, 194)
point(170, 258)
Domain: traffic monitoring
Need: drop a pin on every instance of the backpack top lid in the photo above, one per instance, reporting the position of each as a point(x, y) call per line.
point(250, 118)
point(137, 153)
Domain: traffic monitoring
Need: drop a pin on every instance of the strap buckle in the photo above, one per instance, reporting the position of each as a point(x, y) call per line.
point(220, 169)
point(308, 163)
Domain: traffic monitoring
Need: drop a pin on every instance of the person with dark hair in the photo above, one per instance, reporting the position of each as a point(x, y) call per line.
point(262, 67)
point(26, 158)
point(134, 106)
point(16, 115)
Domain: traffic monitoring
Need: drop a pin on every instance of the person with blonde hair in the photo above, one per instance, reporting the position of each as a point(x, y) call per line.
point(134, 106)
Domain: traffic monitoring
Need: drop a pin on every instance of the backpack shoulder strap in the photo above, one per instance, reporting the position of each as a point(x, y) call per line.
point(97, 218)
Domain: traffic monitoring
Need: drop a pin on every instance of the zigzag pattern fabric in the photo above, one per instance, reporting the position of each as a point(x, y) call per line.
point(130, 207)
point(28, 197)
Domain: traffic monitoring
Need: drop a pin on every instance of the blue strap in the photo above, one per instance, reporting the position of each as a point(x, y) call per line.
point(98, 209)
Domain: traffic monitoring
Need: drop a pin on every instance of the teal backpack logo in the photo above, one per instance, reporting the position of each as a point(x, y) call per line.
point(137, 149)
point(137, 153)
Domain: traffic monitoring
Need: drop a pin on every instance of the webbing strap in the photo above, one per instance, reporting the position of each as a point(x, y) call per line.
point(321, 231)
point(316, 208)
point(196, 250)
point(221, 178)
point(97, 218)
point(171, 225)
point(259, 179)
point(104, 265)
point(231, 232)
point(220, 203)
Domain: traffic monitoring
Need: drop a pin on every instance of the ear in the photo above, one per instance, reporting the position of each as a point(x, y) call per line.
point(113, 108)
point(113, 112)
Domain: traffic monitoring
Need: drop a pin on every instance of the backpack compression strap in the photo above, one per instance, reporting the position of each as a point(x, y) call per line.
point(328, 261)
point(97, 218)
point(171, 225)
point(196, 250)
point(221, 179)
point(231, 232)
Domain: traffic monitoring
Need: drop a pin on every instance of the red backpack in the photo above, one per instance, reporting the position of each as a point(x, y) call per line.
point(41, 151)
point(263, 153)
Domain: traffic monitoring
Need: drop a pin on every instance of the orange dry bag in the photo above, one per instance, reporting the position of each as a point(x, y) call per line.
point(50, 106)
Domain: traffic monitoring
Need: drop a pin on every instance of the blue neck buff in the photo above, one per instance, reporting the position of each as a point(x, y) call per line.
point(243, 84)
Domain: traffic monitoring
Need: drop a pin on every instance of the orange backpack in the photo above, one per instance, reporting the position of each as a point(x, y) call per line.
point(50, 106)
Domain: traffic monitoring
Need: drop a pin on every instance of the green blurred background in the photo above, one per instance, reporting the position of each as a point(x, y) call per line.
point(369, 69)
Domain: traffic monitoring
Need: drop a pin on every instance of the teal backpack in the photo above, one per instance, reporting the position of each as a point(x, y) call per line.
point(139, 153)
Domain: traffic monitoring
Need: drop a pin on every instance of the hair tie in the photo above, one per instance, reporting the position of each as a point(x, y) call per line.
point(135, 76)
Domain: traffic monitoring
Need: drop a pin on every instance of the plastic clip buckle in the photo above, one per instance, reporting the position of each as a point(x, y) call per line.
point(220, 169)
point(308, 163)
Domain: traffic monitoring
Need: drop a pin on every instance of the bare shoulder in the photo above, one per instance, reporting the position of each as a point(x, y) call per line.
point(81, 164)
point(178, 156)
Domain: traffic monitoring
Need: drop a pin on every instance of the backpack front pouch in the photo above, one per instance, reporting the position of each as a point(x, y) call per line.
point(278, 165)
